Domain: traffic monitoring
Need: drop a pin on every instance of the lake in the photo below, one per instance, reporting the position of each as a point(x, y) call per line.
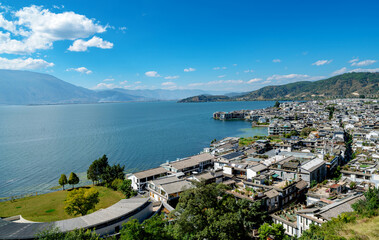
point(39, 143)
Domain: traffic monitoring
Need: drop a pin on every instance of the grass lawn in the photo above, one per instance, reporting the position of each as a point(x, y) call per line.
point(367, 228)
point(50, 206)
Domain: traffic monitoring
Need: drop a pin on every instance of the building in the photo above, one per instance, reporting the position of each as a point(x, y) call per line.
point(139, 179)
point(167, 188)
point(190, 165)
point(105, 221)
point(313, 170)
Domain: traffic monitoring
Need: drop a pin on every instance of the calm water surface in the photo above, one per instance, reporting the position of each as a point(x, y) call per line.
point(38, 143)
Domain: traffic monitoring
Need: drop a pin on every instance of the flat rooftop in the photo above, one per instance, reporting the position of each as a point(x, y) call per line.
point(14, 230)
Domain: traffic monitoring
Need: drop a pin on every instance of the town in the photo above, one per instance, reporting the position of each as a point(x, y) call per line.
point(319, 158)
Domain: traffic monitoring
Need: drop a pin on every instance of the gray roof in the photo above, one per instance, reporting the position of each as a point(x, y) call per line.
point(258, 168)
point(313, 164)
point(272, 193)
point(335, 209)
point(13, 230)
point(191, 161)
point(164, 180)
point(175, 187)
point(150, 172)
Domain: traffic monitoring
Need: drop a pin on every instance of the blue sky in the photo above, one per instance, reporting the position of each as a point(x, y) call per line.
point(211, 45)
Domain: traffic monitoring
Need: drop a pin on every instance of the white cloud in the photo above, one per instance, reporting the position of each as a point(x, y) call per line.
point(138, 82)
point(354, 60)
point(34, 28)
point(365, 70)
point(216, 68)
point(80, 70)
point(123, 82)
point(104, 86)
point(82, 46)
point(168, 84)
point(276, 60)
point(339, 71)
point(20, 63)
point(152, 74)
point(254, 80)
point(363, 63)
point(322, 62)
point(235, 64)
point(221, 76)
point(108, 80)
point(216, 83)
point(189, 69)
point(171, 77)
point(293, 78)
point(248, 70)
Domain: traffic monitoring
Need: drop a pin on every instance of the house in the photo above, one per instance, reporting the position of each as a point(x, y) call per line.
point(167, 188)
point(191, 164)
point(139, 179)
point(313, 170)
point(255, 170)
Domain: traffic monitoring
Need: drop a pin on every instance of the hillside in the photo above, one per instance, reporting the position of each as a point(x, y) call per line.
point(25, 87)
point(341, 86)
point(206, 98)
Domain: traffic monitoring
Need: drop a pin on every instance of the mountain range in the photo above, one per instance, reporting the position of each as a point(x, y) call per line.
point(25, 87)
point(340, 86)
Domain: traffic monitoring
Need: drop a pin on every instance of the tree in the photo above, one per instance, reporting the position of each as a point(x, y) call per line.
point(77, 234)
point(113, 172)
point(275, 230)
point(92, 174)
point(73, 179)
point(126, 188)
point(313, 183)
point(80, 201)
point(277, 104)
point(369, 205)
point(63, 180)
point(97, 169)
point(154, 228)
point(209, 212)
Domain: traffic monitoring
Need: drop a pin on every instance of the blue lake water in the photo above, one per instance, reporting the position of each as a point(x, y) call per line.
point(38, 143)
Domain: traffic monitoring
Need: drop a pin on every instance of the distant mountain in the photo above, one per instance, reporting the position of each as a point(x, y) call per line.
point(163, 94)
point(25, 87)
point(206, 98)
point(341, 86)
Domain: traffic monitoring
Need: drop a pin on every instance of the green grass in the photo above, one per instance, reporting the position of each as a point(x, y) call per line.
point(50, 207)
point(246, 141)
point(367, 228)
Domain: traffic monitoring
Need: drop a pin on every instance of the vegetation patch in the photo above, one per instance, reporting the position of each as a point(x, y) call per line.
point(36, 208)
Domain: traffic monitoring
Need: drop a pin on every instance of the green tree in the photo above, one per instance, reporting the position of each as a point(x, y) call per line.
point(369, 205)
point(63, 180)
point(97, 169)
point(132, 230)
point(111, 173)
point(154, 228)
point(275, 230)
point(313, 183)
point(73, 179)
point(80, 201)
point(92, 173)
point(209, 212)
point(126, 188)
point(277, 104)
point(77, 234)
